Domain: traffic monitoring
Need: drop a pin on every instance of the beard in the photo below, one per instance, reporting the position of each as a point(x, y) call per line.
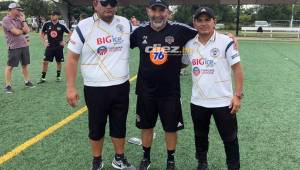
point(158, 22)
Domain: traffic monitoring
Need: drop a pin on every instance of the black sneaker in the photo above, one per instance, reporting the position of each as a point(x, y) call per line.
point(42, 80)
point(170, 165)
point(8, 89)
point(29, 85)
point(58, 79)
point(144, 165)
point(202, 166)
point(97, 166)
point(122, 164)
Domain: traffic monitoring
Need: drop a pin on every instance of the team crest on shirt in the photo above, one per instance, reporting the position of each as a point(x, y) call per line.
point(102, 50)
point(215, 52)
point(53, 34)
point(158, 56)
point(120, 28)
point(169, 39)
point(196, 71)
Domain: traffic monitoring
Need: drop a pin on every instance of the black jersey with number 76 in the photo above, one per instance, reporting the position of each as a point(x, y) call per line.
point(160, 58)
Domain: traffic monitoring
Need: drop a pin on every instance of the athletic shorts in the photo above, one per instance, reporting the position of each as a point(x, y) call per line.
point(54, 52)
point(104, 102)
point(18, 55)
point(225, 121)
point(168, 109)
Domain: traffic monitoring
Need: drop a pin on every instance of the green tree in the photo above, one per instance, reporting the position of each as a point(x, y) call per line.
point(224, 13)
point(133, 10)
point(184, 13)
point(36, 7)
point(76, 11)
point(274, 12)
point(4, 5)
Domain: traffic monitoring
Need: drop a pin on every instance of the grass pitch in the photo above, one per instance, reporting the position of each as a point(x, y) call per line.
point(268, 122)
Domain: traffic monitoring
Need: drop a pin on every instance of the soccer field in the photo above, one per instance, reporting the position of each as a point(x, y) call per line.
point(269, 128)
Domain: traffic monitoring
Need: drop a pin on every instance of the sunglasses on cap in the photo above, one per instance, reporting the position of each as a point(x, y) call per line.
point(112, 3)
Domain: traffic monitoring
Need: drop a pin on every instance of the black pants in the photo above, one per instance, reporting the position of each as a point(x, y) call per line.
point(227, 127)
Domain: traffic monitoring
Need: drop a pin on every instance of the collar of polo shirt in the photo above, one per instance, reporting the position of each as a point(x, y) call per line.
point(211, 40)
point(97, 18)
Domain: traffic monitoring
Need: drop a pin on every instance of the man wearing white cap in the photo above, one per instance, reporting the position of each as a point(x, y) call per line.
point(15, 29)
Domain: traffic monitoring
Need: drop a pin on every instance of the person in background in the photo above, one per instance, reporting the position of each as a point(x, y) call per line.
point(54, 44)
point(15, 29)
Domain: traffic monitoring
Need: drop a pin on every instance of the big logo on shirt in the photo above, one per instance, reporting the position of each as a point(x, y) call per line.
point(158, 56)
point(203, 61)
point(109, 39)
point(53, 34)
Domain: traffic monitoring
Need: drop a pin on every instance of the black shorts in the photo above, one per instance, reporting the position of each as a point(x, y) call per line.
point(226, 122)
point(57, 52)
point(103, 102)
point(18, 55)
point(168, 109)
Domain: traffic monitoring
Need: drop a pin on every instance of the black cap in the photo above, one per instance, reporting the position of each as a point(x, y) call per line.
point(162, 3)
point(55, 13)
point(204, 10)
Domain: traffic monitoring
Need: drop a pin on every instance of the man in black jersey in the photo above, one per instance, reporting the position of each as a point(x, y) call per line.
point(158, 84)
point(161, 45)
point(54, 44)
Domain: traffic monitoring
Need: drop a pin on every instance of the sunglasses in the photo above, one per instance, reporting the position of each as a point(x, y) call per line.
point(112, 3)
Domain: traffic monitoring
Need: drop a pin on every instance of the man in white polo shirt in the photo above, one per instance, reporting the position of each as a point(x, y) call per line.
point(102, 43)
point(213, 58)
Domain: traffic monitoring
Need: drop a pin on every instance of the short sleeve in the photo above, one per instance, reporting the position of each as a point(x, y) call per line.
point(7, 24)
point(232, 55)
point(133, 39)
point(44, 28)
point(65, 29)
point(75, 43)
point(187, 32)
point(186, 56)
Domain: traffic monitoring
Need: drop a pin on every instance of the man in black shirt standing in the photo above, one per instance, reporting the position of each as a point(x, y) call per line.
point(54, 44)
point(158, 84)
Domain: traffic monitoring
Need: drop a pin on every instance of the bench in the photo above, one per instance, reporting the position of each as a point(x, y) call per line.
point(271, 31)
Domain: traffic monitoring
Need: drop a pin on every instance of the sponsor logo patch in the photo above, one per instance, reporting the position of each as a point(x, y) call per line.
point(235, 56)
point(102, 50)
point(53, 34)
point(203, 61)
point(108, 40)
point(196, 71)
point(158, 56)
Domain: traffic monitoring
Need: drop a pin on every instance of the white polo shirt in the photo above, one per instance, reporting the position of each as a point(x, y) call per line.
point(105, 51)
point(211, 70)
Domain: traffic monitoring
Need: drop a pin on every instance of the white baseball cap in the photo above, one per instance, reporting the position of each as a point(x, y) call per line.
point(15, 6)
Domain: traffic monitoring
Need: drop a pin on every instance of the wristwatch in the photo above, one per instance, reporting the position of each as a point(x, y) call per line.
point(240, 95)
